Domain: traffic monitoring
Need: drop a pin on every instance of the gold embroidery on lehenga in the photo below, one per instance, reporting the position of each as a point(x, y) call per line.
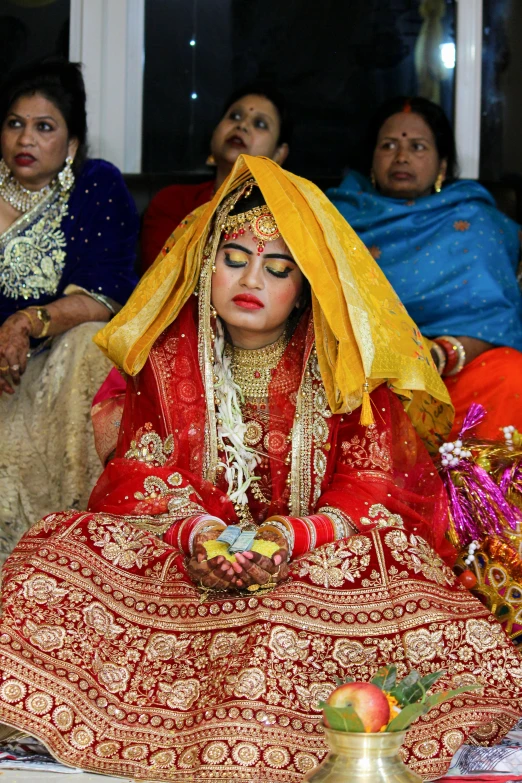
point(250, 683)
point(164, 646)
point(286, 644)
point(423, 645)
point(43, 590)
point(111, 676)
point(349, 653)
point(483, 635)
point(33, 256)
point(99, 618)
point(123, 544)
point(370, 451)
point(331, 565)
point(45, 637)
point(416, 554)
point(181, 695)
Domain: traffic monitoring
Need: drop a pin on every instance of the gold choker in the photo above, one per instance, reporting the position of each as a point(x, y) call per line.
point(252, 368)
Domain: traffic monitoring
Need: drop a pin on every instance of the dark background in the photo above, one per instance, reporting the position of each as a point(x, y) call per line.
point(334, 60)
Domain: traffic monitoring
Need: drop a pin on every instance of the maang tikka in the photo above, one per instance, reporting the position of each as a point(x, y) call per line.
point(260, 221)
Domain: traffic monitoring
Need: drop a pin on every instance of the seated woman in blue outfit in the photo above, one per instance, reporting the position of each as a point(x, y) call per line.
point(449, 253)
point(68, 230)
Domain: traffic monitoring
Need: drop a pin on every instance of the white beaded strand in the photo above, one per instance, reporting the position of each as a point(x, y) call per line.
point(452, 453)
point(508, 436)
point(472, 548)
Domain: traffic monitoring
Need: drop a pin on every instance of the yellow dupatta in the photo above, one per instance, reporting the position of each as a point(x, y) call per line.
point(363, 333)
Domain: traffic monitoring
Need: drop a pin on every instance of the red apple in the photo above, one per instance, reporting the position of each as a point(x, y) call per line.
point(368, 701)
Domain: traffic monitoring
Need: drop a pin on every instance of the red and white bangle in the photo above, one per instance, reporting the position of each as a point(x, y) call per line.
point(308, 532)
point(455, 354)
point(182, 534)
point(439, 357)
point(343, 525)
point(281, 525)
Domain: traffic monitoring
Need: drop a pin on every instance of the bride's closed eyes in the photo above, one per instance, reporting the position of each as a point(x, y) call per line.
point(276, 267)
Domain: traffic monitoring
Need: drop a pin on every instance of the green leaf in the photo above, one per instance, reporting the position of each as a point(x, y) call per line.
point(408, 690)
point(342, 718)
point(385, 678)
point(442, 696)
point(407, 715)
point(411, 712)
point(430, 679)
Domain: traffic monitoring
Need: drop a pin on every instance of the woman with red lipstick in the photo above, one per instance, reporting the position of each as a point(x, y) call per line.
point(68, 229)
point(255, 121)
point(449, 253)
point(271, 519)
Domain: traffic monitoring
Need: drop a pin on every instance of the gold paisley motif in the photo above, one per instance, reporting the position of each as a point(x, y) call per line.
point(32, 261)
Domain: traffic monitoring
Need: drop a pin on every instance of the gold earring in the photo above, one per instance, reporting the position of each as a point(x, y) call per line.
point(5, 171)
point(438, 183)
point(213, 311)
point(66, 176)
point(372, 179)
point(210, 161)
point(214, 270)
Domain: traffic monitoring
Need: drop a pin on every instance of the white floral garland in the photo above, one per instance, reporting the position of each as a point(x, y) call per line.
point(240, 460)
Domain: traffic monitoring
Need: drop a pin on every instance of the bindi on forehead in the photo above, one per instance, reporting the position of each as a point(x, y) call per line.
point(404, 133)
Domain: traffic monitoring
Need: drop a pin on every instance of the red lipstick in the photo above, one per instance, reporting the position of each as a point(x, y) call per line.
point(248, 302)
point(24, 159)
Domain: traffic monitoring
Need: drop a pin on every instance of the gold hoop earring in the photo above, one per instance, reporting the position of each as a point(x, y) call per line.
point(373, 180)
point(438, 183)
point(66, 176)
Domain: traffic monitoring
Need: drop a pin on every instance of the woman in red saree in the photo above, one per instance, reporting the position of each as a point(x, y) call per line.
point(123, 647)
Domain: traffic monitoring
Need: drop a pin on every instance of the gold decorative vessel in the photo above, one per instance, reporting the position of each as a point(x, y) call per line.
point(357, 757)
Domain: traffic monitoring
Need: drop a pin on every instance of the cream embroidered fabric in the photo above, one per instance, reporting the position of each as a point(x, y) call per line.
point(47, 455)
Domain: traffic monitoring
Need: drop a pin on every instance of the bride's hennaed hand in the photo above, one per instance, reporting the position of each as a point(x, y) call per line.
point(259, 569)
point(217, 573)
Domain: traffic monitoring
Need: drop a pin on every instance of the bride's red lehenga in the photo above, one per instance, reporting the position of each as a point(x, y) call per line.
point(121, 665)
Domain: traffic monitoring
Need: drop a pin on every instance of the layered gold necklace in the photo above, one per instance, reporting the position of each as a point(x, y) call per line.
point(252, 369)
point(16, 195)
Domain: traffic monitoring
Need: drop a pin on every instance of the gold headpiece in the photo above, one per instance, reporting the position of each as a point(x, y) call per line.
point(260, 221)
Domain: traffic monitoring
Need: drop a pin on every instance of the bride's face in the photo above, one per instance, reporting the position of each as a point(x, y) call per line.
point(255, 294)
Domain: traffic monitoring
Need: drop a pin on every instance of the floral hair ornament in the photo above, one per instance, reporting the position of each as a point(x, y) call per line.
point(259, 220)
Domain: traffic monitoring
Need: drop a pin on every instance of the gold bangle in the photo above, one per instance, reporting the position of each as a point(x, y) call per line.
point(43, 316)
point(31, 320)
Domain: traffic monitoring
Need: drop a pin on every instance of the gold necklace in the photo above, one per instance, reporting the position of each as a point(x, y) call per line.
point(16, 195)
point(252, 368)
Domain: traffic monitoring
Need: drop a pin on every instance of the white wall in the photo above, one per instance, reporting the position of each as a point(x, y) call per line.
point(107, 37)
